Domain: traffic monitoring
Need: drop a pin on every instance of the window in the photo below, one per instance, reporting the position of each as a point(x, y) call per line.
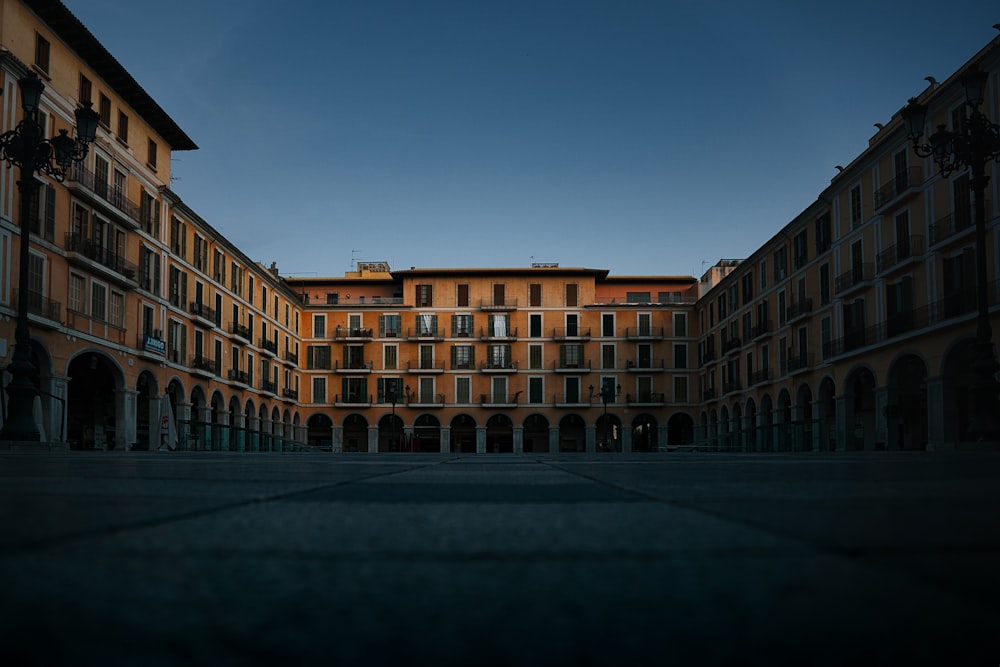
point(149, 214)
point(462, 296)
point(177, 342)
point(151, 154)
point(823, 233)
point(903, 236)
point(608, 359)
point(637, 297)
point(535, 357)
point(116, 312)
point(681, 389)
point(680, 324)
point(319, 390)
point(824, 284)
point(426, 356)
point(425, 296)
point(85, 90)
point(800, 249)
point(43, 224)
point(680, 355)
point(780, 264)
point(122, 126)
point(572, 390)
point(178, 288)
point(499, 356)
point(763, 275)
point(200, 253)
point(462, 356)
point(319, 326)
point(899, 306)
point(104, 110)
point(389, 326)
point(572, 324)
point(219, 264)
point(781, 308)
point(572, 295)
point(77, 285)
point(98, 301)
point(826, 336)
point(536, 390)
point(570, 356)
point(535, 325)
point(236, 279)
point(645, 322)
point(318, 357)
point(463, 390)
point(461, 326)
point(41, 53)
point(499, 387)
point(747, 287)
point(500, 325)
point(178, 238)
point(535, 295)
point(499, 294)
point(427, 325)
point(390, 390)
point(856, 211)
point(426, 388)
point(608, 324)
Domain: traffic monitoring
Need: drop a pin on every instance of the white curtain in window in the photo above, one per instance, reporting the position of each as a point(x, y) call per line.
point(499, 325)
point(427, 324)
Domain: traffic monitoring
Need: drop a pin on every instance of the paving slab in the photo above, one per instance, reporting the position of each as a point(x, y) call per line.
point(663, 559)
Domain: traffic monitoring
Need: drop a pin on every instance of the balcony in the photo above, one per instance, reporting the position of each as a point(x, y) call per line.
point(900, 255)
point(579, 366)
point(731, 345)
point(425, 367)
point(498, 366)
point(762, 328)
point(351, 400)
point(239, 330)
point(898, 190)
point(239, 376)
point(291, 357)
point(763, 376)
point(646, 398)
point(42, 310)
point(730, 387)
point(858, 277)
point(571, 333)
point(425, 334)
point(954, 226)
point(269, 387)
point(204, 365)
point(493, 333)
point(570, 400)
point(498, 306)
point(644, 333)
point(708, 356)
point(426, 401)
point(708, 395)
point(351, 333)
point(203, 312)
point(84, 184)
point(798, 309)
point(800, 363)
point(85, 253)
point(353, 367)
point(269, 346)
point(290, 394)
point(642, 365)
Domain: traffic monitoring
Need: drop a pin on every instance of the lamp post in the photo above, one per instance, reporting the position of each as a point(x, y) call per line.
point(27, 147)
point(971, 146)
point(609, 394)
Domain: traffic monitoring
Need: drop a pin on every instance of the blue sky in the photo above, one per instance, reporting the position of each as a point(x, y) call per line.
point(640, 137)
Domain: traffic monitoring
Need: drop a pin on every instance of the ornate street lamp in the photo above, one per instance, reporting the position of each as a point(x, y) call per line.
point(609, 394)
point(26, 147)
point(971, 146)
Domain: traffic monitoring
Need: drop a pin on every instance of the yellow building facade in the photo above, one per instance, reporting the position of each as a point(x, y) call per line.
point(848, 329)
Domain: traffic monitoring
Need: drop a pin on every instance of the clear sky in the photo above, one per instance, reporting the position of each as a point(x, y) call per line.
point(637, 136)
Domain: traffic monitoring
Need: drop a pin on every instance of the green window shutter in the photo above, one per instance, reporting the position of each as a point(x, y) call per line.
point(381, 390)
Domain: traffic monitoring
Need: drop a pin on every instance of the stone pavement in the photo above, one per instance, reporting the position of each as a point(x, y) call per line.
point(681, 558)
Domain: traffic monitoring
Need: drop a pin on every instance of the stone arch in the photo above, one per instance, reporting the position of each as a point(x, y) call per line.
point(737, 440)
point(426, 434)
point(237, 426)
point(680, 429)
point(95, 410)
point(220, 423)
point(766, 429)
point(753, 431)
point(355, 433)
point(802, 419)
point(713, 429)
point(724, 438)
point(499, 434)
point(264, 428)
point(859, 390)
point(572, 434)
point(783, 420)
point(535, 436)
point(608, 429)
point(463, 434)
point(390, 433)
point(645, 433)
point(906, 412)
point(319, 430)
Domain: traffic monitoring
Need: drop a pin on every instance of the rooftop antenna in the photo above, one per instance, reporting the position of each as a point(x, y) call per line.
point(354, 262)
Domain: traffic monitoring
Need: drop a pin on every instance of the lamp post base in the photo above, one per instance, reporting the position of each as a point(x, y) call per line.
point(20, 425)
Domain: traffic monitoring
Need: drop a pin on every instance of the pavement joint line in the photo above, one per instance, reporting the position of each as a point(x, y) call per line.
point(861, 556)
point(63, 540)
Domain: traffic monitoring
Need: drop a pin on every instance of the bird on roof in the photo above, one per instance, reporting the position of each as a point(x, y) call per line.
point(931, 80)
point(879, 125)
point(838, 168)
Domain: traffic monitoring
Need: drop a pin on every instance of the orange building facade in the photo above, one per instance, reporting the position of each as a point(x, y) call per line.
point(848, 329)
